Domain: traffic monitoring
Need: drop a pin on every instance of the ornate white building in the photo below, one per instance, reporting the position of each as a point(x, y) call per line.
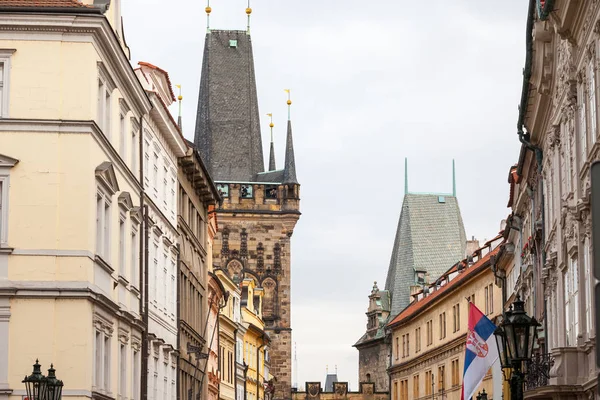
point(547, 258)
point(162, 144)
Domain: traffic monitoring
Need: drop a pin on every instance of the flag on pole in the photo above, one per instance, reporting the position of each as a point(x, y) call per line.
point(480, 353)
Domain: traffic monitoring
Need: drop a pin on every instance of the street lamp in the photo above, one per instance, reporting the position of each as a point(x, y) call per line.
point(520, 330)
point(39, 387)
point(482, 396)
point(53, 386)
point(515, 338)
point(35, 384)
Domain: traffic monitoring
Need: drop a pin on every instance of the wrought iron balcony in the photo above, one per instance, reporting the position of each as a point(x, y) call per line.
point(538, 371)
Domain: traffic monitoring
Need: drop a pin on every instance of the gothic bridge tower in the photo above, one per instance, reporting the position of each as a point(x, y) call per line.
point(260, 208)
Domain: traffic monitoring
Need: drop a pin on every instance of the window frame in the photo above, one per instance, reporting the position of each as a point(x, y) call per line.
point(5, 59)
point(6, 164)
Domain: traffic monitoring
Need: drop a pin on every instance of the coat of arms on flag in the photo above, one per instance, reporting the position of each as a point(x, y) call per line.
point(480, 352)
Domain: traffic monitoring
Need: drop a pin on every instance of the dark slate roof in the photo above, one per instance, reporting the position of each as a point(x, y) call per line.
point(289, 175)
point(227, 123)
point(271, 176)
point(430, 237)
point(329, 381)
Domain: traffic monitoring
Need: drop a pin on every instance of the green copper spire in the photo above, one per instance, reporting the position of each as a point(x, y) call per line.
point(453, 179)
point(405, 175)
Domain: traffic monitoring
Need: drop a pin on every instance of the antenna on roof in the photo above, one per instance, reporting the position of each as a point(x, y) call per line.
point(248, 13)
point(208, 11)
point(453, 179)
point(405, 175)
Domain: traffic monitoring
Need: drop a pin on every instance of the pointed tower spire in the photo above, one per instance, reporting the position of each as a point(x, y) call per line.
point(228, 134)
point(289, 172)
point(179, 98)
point(405, 175)
point(272, 166)
point(453, 179)
point(208, 11)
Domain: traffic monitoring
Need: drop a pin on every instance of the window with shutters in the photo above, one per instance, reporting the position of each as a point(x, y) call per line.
point(455, 373)
point(428, 383)
point(415, 386)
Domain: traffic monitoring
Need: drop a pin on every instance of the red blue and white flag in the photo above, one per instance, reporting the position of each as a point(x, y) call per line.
point(481, 351)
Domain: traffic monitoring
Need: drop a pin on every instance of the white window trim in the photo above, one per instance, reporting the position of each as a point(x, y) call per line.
point(5, 58)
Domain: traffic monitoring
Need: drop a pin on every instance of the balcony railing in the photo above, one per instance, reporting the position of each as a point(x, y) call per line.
point(538, 371)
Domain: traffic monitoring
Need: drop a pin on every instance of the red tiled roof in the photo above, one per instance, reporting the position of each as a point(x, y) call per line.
point(419, 305)
point(44, 3)
point(145, 64)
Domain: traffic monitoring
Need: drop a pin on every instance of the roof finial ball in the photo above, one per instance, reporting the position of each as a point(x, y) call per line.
point(248, 11)
point(208, 9)
point(271, 125)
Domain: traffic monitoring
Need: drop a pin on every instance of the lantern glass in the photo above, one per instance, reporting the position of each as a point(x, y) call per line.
point(522, 341)
point(533, 336)
point(502, 348)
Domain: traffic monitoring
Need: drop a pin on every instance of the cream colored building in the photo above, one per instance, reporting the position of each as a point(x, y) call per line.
point(429, 336)
point(70, 218)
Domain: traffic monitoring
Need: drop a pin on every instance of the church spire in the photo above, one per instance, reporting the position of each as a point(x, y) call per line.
point(289, 172)
point(272, 166)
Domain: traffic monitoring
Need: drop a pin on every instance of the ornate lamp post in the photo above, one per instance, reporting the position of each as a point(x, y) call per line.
point(40, 387)
point(515, 338)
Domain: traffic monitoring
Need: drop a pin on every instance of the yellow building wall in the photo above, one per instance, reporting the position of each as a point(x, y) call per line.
point(55, 331)
point(442, 351)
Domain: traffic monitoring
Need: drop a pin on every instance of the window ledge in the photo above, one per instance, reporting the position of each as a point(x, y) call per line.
point(6, 250)
point(123, 281)
point(135, 290)
point(103, 264)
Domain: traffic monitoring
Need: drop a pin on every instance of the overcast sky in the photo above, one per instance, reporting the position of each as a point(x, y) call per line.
point(372, 82)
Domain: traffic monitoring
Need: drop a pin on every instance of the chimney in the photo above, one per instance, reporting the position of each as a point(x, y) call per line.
point(472, 246)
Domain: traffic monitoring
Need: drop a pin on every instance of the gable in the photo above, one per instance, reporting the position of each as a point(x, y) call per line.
point(7, 162)
point(105, 174)
point(125, 200)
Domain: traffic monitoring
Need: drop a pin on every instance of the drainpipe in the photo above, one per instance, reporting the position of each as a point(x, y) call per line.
point(246, 381)
point(525, 138)
point(145, 312)
point(178, 319)
point(143, 270)
point(235, 379)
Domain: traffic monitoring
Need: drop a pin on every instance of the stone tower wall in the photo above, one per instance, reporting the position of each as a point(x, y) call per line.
point(256, 233)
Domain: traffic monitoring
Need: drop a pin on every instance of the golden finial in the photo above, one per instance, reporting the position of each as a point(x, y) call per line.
point(289, 102)
point(271, 124)
point(248, 11)
point(208, 9)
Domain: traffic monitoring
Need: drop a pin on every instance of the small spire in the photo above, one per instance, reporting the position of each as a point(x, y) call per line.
point(248, 13)
point(289, 172)
point(208, 11)
point(405, 175)
point(272, 165)
point(453, 179)
point(179, 98)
